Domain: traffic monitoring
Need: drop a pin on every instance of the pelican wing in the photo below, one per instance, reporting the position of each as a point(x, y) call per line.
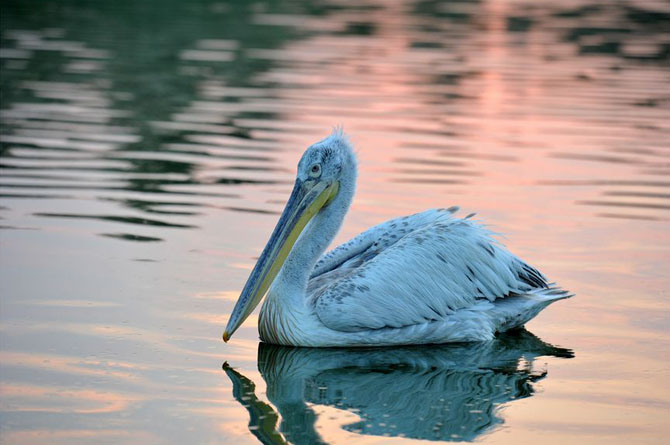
point(383, 235)
point(414, 270)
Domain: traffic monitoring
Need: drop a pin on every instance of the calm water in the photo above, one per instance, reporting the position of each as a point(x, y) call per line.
point(148, 147)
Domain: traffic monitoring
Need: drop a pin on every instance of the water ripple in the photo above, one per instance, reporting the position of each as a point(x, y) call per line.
point(123, 121)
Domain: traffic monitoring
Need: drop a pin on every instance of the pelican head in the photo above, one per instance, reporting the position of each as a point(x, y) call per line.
point(323, 169)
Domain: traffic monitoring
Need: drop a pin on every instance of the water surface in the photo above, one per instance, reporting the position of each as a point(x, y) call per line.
point(147, 148)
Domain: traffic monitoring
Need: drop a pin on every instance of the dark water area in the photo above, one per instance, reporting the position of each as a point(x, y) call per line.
point(147, 149)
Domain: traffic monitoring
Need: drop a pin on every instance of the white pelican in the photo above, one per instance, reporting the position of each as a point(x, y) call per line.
point(419, 279)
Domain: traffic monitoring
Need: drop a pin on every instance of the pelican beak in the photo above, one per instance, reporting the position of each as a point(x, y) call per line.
point(306, 200)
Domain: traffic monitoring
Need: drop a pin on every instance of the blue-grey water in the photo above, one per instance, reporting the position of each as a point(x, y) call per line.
point(147, 148)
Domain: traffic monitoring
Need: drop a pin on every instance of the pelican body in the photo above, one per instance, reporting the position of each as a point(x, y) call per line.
point(420, 279)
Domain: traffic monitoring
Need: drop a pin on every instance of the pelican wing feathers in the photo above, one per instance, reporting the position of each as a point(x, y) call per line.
point(419, 269)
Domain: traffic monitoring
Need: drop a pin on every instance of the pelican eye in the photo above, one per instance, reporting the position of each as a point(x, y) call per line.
point(315, 171)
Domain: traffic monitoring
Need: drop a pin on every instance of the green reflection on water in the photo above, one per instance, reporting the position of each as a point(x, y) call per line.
point(140, 44)
point(140, 83)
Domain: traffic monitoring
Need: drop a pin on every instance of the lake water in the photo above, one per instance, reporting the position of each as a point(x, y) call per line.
point(148, 147)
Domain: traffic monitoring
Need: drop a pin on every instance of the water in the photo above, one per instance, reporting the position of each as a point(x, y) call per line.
point(148, 147)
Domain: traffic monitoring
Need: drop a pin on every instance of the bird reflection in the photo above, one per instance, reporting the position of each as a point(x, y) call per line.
point(445, 392)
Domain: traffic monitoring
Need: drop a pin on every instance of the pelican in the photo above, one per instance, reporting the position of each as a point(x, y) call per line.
point(427, 278)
